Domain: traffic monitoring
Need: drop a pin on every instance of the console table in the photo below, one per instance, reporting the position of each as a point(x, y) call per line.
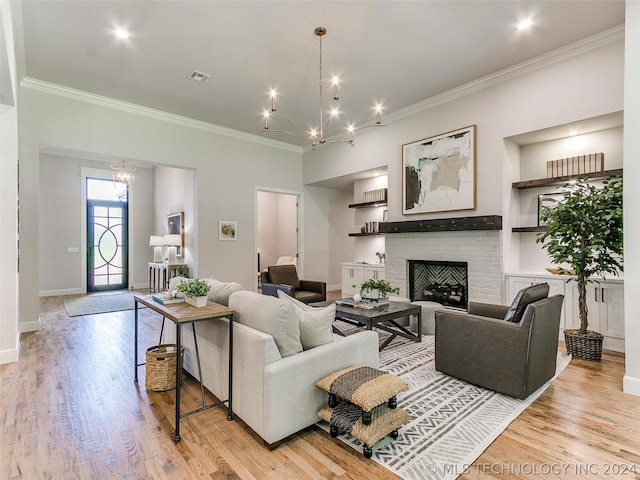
point(161, 273)
point(181, 314)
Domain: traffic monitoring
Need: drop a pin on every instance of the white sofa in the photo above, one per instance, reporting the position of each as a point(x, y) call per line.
point(275, 396)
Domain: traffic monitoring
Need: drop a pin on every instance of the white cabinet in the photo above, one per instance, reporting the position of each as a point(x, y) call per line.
point(605, 304)
point(356, 273)
point(377, 273)
point(605, 301)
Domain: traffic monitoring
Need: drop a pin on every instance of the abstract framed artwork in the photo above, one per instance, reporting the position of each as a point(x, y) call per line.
point(175, 226)
point(439, 173)
point(227, 230)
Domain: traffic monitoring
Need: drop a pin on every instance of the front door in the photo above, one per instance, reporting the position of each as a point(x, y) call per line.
point(107, 242)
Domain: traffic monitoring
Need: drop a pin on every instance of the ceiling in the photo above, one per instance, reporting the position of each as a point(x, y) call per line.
point(393, 52)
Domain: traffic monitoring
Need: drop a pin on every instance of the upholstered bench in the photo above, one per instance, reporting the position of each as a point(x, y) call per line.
point(362, 402)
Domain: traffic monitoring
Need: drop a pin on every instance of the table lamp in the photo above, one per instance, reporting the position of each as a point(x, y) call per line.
point(157, 242)
point(172, 241)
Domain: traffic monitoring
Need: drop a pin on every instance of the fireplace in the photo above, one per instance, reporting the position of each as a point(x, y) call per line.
point(439, 281)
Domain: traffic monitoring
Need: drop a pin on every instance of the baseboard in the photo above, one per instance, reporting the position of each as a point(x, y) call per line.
point(30, 326)
point(631, 385)
point(11, 355)
point(331, 288)
point(139, 286)
point(55, 293)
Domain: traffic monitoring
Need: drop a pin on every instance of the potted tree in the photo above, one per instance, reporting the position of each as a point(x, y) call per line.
point(585, 232)
point(195, 291)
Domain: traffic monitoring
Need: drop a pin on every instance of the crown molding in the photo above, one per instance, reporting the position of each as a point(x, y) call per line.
point(67, 92)
point(580, 47)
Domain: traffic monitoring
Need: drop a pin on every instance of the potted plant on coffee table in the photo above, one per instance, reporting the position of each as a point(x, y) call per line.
point(585, 232)
point(195, 291)
point(376, 289)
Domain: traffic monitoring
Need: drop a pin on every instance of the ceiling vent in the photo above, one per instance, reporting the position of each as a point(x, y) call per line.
point(197, 76)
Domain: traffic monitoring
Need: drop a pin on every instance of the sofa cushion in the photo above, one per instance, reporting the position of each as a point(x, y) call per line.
point(269, 315)
point(284, 275)
point(315, 322)
point(525, 297)
point(220, 291)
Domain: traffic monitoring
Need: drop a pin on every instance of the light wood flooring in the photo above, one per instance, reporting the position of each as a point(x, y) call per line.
point(69, 409)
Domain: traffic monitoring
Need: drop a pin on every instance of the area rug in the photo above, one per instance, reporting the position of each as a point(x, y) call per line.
point(453, 422)
point(92, 304)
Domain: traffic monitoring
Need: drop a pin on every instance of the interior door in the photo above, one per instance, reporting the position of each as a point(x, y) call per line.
point(107, 245)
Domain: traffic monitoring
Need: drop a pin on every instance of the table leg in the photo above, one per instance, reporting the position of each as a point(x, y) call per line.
point(176, 437)
point(135, 342)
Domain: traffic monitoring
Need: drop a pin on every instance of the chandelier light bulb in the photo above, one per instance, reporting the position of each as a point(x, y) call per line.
point(378, 109)
point(335, 80)
point(334, 112)
point(273, 100)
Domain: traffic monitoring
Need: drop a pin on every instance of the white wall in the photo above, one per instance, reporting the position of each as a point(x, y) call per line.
point(174, 191)
point(632, 198)
point(554, 94)
point(9, 336)
point(228, 169)
point(62, 219)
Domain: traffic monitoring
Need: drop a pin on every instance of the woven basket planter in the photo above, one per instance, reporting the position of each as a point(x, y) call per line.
point(161, 367)
point(587, 346)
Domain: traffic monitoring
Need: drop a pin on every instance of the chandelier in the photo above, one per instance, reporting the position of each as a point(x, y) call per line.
point(123, 173)
point(319, 135)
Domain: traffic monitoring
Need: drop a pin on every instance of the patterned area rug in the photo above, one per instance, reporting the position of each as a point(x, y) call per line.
point(92, 304)
point(452, 423)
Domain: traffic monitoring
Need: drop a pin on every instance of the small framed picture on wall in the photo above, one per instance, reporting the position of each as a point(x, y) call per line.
point(227, 230)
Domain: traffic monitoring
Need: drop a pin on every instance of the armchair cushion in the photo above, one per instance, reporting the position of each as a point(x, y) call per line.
point(525, 297)
point(284, 274)
point(315, 323)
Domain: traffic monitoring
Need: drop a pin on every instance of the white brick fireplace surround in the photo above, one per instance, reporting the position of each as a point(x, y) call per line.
point(482, 250)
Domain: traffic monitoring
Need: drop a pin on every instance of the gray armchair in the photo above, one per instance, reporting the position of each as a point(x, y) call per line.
point(511, 350)
point(285, 278)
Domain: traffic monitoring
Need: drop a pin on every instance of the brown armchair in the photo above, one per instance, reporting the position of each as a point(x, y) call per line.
point(285, 278)
point(511, 350)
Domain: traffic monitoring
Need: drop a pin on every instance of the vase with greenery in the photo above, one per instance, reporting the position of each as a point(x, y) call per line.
point(369, 288)
point(585, 232)
point(195, 291)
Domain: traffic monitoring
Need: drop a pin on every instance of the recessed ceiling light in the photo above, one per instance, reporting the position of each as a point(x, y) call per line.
point(525, 24)
point(120, 33)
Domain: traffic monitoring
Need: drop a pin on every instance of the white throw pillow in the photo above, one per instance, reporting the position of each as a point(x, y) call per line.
point(269, 315)
point(220, 291)
point(315, 322)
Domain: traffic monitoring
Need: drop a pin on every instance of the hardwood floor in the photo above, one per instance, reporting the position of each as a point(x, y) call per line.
point(69, 409)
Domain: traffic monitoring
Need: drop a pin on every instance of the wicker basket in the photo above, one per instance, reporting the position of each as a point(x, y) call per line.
point(584, 346)
point(161, 367)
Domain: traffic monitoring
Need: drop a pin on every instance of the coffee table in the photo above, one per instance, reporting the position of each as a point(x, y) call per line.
point(382, 317)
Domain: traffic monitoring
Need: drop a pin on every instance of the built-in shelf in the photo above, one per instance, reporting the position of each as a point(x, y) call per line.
point(369, 204)
point(529, 229)
point(366, 234)
point(547, 182)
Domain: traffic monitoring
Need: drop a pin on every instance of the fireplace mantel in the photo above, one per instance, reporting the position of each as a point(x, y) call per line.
point(486, 222)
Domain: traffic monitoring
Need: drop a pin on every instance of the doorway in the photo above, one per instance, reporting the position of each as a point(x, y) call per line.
point(107, 235)
point(278, 228)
